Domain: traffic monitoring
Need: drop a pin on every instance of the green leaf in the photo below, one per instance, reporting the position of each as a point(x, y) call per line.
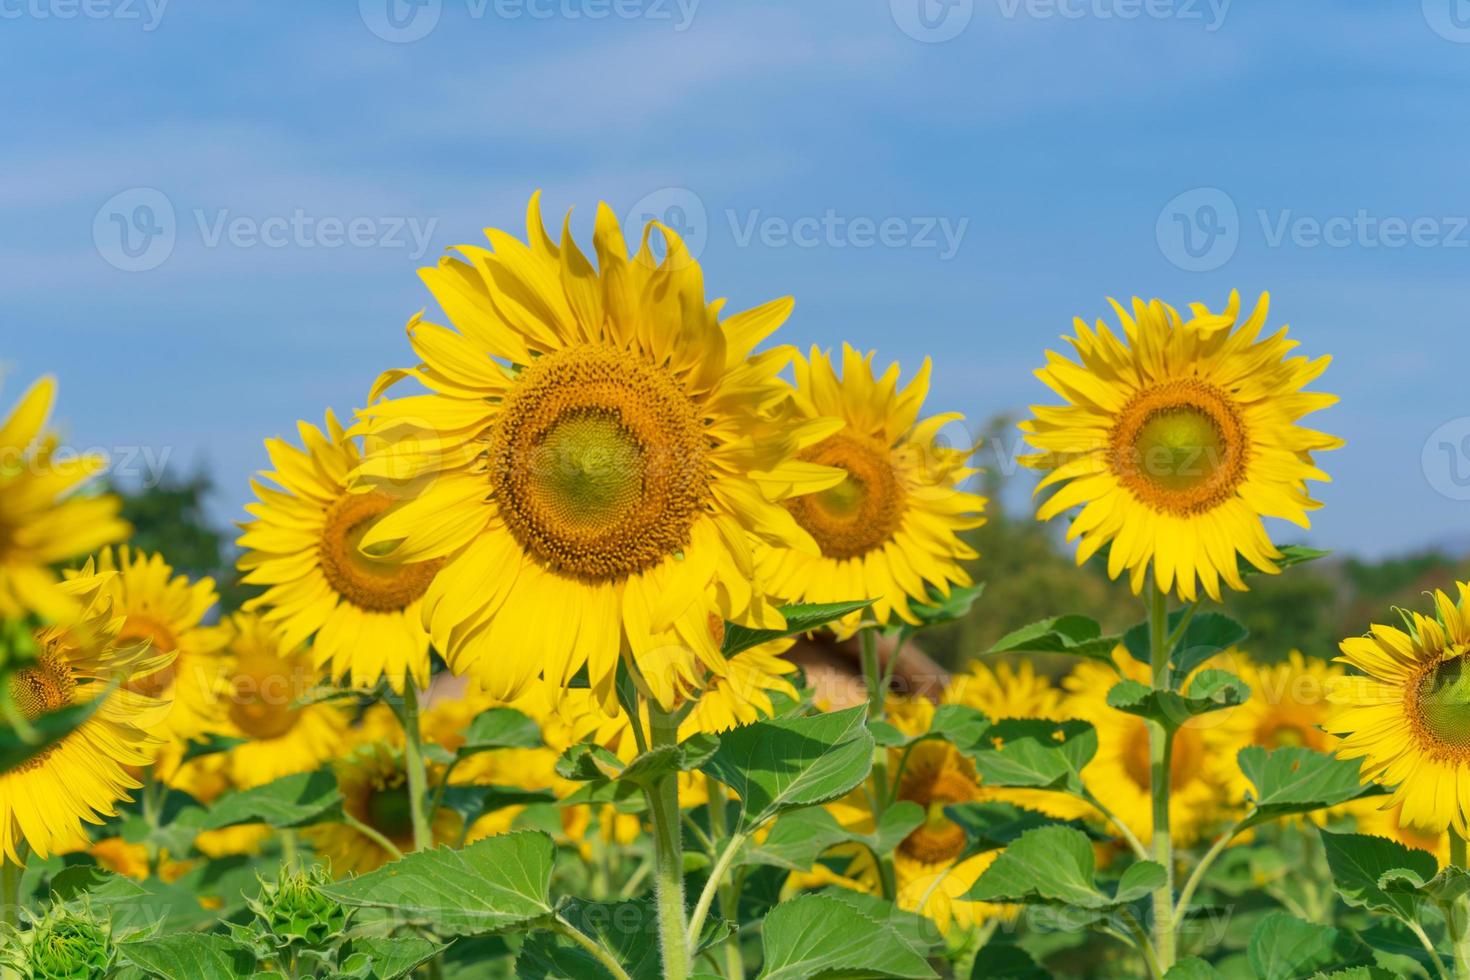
point(500, 728)
point(627, 929)
point(958, 724)
point(1030, 752)
point(1074, 635)
point(1449, 886)
point(1291, 554)
point(1283, 947)
point(786, 763)
point(1002, 960)
point(818, 936)
point(1207, 634)
point(586, 762)
point(990, 825)
point(46, 731)
point(211, 745)
point(493, 884)
point(654, 764)
point(1359, 861)
point(291, 801)
point(1057, 865)
point(392, 959)
point(1210, 690)
point(919, 931)
point(198, 956)
point(797, 839)
point(800, 618)
point(1192, 968)
point(943, 609)
point(1295, 780)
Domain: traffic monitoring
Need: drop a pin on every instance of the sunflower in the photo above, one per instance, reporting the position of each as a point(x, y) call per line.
point(1409, 718)
point(45, 799)
point(1119, 774)
point(43, 521)
point(374, 784)
point(1176, 440)
point(1288, 707)
point(303, 545)
point(594, 461)
point(1373, 818)
point(167, 612)
point(282, 736)
point(890, 530)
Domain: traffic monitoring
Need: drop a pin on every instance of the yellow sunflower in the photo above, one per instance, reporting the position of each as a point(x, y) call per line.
point(43, 521)
point(303, 545)
point(44, 800)
point(1409, 718)
point(596, 457)
point(282, 737)
point(167, 612)
point(1119, 775)
point(1176, 440)
point(1373, 818)
point(890, 530)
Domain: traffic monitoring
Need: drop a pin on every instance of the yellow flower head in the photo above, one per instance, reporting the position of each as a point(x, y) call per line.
point(891, 529)
point(43, 521)
point(1176, 439)
point(1409, 718)
point(595, 459)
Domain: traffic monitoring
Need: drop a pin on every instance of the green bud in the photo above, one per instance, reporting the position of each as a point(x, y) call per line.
point(66, 945)
point(294, 912)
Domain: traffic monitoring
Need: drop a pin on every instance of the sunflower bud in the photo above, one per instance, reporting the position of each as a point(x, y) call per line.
point(66, 945)
point(295, 912)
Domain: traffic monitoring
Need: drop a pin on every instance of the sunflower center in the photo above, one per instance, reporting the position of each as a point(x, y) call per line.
point(375, 586)
point(159, 637)
point(939, 839)
point(1443, 701)
point(48, 686)
point(1180, 446)
point(598, 462)
point(262, 705)
point(864, 510)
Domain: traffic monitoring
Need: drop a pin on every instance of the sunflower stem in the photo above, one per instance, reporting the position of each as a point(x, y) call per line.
point(1161, 750)
point(413, 758)
point(663, 806)
point(1458, 913)
point(10, 878)
point(729, 893)
point(877, 685)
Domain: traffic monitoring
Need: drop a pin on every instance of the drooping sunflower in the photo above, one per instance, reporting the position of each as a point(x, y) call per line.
point(303, 545)
point(282, 736)
point(1408, 719)
point(890, 530)
point(45, 799)
point(594, 461)
point(43, 520)
point(1176, 439)
point(167, 611)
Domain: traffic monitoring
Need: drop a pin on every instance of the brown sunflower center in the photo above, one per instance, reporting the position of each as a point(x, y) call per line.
point(263, 705)
point(864, 510)
point(376, 586)
point(48, 686)
point(159, 637)
point(1180, 446)
point(1440, 707)
point(598, 462)
point(939, 839)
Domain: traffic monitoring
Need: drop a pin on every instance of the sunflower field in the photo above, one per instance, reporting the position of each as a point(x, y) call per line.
point(512, 691)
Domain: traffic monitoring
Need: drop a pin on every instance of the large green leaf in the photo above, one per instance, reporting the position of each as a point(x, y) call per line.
point(941, 609)
point(500, 728)
point(1207, 634)
point(797, 839)
point(1074, 635)
point(1293, 780)
point(958, 724)
point(1283, 947)
point(291, 801)
point(1210, 690)
point(818, 936)
point(1030, 752)
point(990, 825)
point(627, 929)
point(800, 618)
point(197, 956)
point(493, 884)
point(1002, 960)
point(388, 959)
point(1057, 865)
point(1360, 861)
point(919, 931)
point(786, 763)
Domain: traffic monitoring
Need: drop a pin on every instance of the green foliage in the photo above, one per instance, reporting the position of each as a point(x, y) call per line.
point(818, 936)
point(1283, 947)
point(800, 618)
point(1056, 865)
point(291, 801)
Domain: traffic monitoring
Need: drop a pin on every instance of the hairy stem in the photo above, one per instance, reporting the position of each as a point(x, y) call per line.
point(877, 692)
point(1161, 749)
point(729, 892)
point(413, 758)
point(562, 927)
point(663, 806)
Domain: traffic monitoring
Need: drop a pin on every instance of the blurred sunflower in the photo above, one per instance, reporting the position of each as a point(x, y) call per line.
point(45, 799)
point(43, 522)
point(1119, 775)
point(890, 530)
point(1409, 718)
point(303, 545)
point(1373, 817)
point(281, 736)
point(131, 860)
point(167, 612)
point(596, 457)
point(1176, 440)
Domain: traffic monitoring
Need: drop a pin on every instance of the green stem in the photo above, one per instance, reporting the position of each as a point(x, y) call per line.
point(711, 888)
point(1181, 908)
point(877, 692)
point(151, 816)
point(10, 877)
point(562, 927)
point(413, 758)
point(1140, 939)
point(1458, 913)
point(729, 892)
point(1134, 844)
point(872, 673)
point(663, 805)
point(373, 835)
point(1161, 752)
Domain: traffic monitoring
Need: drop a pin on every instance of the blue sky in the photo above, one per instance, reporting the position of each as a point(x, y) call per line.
point(958, 184)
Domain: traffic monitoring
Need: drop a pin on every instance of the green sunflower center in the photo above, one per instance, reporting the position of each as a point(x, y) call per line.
point(863, 511)
point(374, 586)
point(589, 470)
point(1444, 703)
point(1180, 446)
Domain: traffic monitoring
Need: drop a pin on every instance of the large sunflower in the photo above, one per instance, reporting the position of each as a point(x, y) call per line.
point(43, 522)
point(304, 545)
point(168, 612)
point(1409, 719)
point(594, 461)
point(1176, 440)
point(890, 530)
point(45, 800)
